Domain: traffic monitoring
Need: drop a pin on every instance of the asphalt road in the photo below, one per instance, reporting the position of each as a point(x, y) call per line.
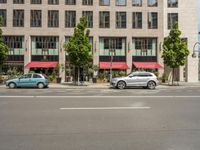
point(32, 119)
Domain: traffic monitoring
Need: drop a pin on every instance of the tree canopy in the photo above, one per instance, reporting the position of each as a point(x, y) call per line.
point(3, 47)
point(78, 46)
point(175, 50)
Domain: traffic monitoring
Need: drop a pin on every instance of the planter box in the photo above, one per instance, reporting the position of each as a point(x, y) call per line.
point(58, 80)
point(101, 81)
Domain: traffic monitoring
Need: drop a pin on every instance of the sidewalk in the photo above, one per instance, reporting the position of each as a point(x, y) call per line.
point(88, 85)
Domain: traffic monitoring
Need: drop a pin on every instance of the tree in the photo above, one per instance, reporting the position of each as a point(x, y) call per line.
point(78, 46)
point(175, 50)
point(3, 48)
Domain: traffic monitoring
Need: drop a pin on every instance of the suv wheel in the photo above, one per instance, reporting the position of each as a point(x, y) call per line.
point(40, 85)
point(12, 85)
point(121, 85)
point(151, 85)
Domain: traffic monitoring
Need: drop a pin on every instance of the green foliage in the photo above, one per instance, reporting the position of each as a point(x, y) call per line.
point(13, 73)
point(101, 76)
point(52, 77)
point(122, 73)
point(3, 46)
point(175, 50)
point(164, 77)
point(78, 47)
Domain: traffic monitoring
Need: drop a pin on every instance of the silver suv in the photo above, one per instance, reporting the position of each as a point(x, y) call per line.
point(141, 79)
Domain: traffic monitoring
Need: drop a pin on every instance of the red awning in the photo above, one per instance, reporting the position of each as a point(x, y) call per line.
point(147, 65)
point(115, 65)
point(41, 64)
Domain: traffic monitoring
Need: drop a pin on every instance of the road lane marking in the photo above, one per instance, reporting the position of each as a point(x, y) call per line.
point(103, 108)
point(119, 96)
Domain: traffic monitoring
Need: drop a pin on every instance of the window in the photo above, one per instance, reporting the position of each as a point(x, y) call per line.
point(104, 2)
point(120, 19)
point(15, 44)
point(36, 18)
point(137, 3)
point(87, 2)
point(153, 20)
point(118, 43)
point(152, 3)
point(89, 16)
point(144, 75)
point(70, 2)
point(172, 19)
point(53, 18)
point(70, 19)
point(36, 76)
point(137, 20)
point(91, 43)
point(3, 1)
point(120, 2)
point(53, 2)
point(3, 16)
point(44, 45)
point(144, 46)
point(18, 18)
point(172, 3)
point(104, 19)
point(18, 1)
point(36, 1)
point(26, 76)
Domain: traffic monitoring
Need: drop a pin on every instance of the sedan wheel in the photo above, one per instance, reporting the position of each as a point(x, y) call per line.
point(121, 85)
point(151, 85)
point(12, 85)
point(40, 85)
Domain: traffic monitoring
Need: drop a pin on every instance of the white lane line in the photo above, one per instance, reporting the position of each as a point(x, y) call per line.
point(103, 108)
point(139, 96)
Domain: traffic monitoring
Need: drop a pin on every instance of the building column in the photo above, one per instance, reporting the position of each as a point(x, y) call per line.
point(129, 54)
point(27, 52)
point(160, 60)
point(95, 52)
point(62, 58)
point(192, 69)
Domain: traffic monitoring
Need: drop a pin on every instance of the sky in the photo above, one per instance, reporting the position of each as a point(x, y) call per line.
point(199, 13)
point(199, 16)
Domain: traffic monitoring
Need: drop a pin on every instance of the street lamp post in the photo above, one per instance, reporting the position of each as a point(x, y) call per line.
point(194, 51)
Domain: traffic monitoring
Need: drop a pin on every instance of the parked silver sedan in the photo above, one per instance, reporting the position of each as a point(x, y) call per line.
point(141, 79)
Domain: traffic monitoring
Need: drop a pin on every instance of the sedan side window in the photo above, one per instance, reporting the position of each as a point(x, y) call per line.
point(36, 76)
point(26, 76)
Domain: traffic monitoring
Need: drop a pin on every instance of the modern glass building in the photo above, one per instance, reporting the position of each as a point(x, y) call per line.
point(36, 30)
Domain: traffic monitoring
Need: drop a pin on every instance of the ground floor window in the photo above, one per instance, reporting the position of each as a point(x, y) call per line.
point(117, 44)
point(144, 46)
point(15, 44)
point(44, 45)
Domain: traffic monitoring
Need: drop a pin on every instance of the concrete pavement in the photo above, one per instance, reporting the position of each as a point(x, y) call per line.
point(41, 123)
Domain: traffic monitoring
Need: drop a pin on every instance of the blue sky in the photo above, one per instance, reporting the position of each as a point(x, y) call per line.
point(199, 13)
point(199, 16)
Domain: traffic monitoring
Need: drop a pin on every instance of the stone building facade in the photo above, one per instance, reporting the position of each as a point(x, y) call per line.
point(36, 30)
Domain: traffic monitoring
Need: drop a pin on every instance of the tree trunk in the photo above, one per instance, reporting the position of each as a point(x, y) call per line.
point(78, 75)
point(1, 69)
point(172, 76)
point(74, 74)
